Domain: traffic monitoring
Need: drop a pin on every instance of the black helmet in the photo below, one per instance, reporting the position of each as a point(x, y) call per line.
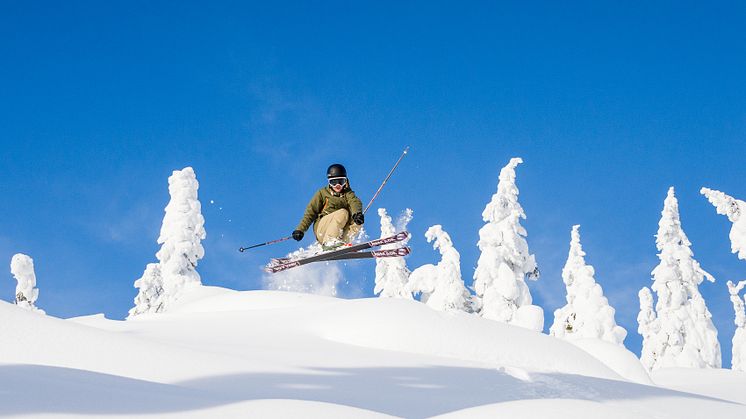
point(336, 170)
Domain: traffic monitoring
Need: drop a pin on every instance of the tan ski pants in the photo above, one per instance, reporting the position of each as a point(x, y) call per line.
point(336, 226)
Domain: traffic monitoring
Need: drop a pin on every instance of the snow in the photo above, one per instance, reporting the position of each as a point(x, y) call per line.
point(317, 278)
point(225, 353)
point(738, 361)
point(150, 298)
point(441, 286)
point(587, 313)
point(392, 274)
point(505, 261)
point(680, 332)
point(181, 234)
point(22, 268)
point(734, 209)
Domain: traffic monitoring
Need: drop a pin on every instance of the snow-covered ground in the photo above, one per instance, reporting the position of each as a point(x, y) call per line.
point(223, 353)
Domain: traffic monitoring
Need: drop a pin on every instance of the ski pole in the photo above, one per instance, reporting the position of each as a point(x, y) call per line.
point(242, 249)
point(406, 150)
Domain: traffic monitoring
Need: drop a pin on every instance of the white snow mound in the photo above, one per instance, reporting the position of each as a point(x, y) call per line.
point(229, 354)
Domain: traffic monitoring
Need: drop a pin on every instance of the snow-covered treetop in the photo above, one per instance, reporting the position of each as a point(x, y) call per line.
point(575, 258)
point(504, 202)
point(503, 238)
point(183, 225)
point(387, 224)
point(22, 268)
point(734, 209)
point(672, 242)
point(440, 239)
point(183, 220)
point(441, 285)
point(669, 226)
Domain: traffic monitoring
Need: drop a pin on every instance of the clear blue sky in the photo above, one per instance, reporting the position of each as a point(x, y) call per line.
point(608, 104)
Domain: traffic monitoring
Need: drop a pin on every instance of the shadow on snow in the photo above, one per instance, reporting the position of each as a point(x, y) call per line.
point(414, 392)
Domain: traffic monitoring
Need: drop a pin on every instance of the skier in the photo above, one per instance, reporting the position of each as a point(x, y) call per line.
point(335, 211)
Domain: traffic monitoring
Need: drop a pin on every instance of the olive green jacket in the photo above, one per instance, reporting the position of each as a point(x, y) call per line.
point(325, 201)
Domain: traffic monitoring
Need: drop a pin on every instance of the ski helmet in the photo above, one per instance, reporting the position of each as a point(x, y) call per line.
point(336, 170)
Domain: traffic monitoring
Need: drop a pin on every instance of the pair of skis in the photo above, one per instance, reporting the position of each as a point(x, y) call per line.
point(356, 251)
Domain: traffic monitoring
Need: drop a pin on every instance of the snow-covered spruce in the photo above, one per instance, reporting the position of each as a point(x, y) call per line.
point(738, 362)
point(181, 234)
point(681, 332)
point(392, 273)
point(505, 262)
point(734, 209)
point(441, 285)
point(587, 313)
point(22, 268)
point(648, 328)
point(150, 297)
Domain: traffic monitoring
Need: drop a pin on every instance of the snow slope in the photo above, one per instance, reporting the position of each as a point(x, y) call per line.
point(223, 353)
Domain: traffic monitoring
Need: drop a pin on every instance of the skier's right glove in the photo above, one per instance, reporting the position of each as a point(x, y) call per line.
point(298, 235)
point(358, 218)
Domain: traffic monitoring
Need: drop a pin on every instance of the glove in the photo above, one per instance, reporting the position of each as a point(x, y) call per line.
point(358, 218)
point(298, 235)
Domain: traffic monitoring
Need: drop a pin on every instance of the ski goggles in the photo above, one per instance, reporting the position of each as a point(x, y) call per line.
point(337, 181)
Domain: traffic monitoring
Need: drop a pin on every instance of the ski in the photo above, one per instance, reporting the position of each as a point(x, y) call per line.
point(373, 254)
point(349, 249)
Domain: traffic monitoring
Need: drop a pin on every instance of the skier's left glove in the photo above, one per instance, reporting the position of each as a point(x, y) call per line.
point(297, 235)
point(358, 218)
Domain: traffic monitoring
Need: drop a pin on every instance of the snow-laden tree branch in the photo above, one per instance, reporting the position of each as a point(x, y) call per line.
point(734, 209)
point(150, 299)
point(441, 285)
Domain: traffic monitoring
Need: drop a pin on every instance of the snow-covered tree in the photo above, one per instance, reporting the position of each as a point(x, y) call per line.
point(22, 268)
point(505, 262)
point(392, 273)
point(648, 328)
point(682, 333)
point(150, 298)
point(441, 285)
point(587, 313)
point(181, 234)
point(734, 209)
point(738, 362)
